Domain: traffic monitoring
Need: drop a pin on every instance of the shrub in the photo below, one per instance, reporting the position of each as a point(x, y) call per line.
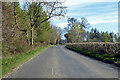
point(99, 47)
point(106, 52)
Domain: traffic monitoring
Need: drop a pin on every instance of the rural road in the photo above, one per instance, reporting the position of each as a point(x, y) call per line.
point(59, 62)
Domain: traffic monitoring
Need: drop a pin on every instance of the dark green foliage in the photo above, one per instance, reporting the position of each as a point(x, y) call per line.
point(95, 36)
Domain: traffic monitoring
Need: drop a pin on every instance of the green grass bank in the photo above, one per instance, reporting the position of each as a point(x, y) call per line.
point(8, 64)
point(107, 58)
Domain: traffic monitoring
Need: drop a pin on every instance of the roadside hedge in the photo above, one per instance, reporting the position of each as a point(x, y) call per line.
point(106, 52)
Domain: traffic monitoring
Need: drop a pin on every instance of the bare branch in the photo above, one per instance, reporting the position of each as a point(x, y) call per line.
point(24, 30)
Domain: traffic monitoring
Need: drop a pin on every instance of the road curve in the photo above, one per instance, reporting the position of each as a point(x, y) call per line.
point(59, 62)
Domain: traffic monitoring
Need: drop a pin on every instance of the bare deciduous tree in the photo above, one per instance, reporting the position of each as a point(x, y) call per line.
point(52, 9)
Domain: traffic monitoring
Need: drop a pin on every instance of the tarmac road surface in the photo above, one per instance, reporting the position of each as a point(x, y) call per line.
point(59, 62)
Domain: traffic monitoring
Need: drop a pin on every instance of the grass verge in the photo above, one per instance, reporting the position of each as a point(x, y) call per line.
point(8, 64)
point(107, 58)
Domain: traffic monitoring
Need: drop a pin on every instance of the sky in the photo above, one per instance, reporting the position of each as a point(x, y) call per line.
point(101, 14)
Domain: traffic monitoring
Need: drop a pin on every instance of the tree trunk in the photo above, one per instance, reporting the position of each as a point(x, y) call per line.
point(27, 37)
point(32, 35)
point(58, 41)
point(55, 42)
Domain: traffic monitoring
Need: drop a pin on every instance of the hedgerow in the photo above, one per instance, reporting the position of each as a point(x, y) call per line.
point(107, 52)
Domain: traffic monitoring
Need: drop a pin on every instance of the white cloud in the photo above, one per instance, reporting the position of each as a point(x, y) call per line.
point(103, 21)
point(105, 14)
point(62, 25)
point(77, 2)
